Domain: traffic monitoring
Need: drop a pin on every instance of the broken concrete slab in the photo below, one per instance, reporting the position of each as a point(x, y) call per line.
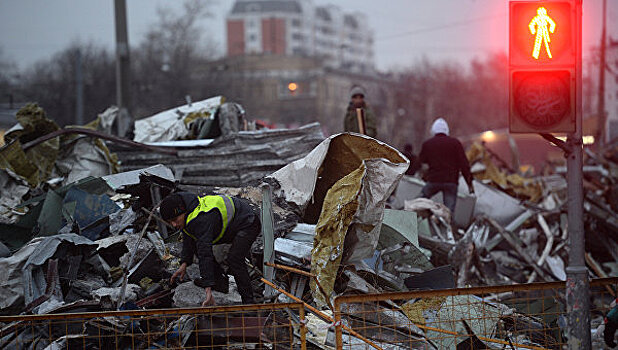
point(410, 188)
point(109, 297)
point(188, 295)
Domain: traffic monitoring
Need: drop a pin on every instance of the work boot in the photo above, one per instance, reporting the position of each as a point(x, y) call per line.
point(222, 284)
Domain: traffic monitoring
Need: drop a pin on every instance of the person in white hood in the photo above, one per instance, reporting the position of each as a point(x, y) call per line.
point(446, 159)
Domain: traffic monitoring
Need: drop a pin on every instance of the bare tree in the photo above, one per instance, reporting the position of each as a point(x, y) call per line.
point(8, 71)
point(167, 57)
point(471, 100)
point(51, 83)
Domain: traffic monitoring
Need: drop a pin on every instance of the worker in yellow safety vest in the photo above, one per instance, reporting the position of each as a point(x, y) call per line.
point(208, 220)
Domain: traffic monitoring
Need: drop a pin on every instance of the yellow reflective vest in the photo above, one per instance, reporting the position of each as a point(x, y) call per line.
point(224, 204)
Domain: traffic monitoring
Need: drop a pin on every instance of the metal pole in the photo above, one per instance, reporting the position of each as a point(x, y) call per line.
point(122, 67)
point(602, 116)
point(268, 232)
point(79, 89)
point(577, 286)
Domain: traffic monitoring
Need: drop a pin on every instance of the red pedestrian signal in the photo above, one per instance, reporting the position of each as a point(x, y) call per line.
point(542, 55)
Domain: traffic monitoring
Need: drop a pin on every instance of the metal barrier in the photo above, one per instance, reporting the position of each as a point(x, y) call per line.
point(271, 326)
point(527, 316)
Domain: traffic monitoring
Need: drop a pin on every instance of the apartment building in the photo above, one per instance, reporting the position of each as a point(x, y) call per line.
point(343, 40)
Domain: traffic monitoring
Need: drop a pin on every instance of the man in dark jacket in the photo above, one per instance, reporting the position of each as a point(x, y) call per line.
point(446, 159)
point(350, 121)
point(209, 220)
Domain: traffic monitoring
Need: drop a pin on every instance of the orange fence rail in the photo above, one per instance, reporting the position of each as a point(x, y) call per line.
point(528, 316)
point(272, 326)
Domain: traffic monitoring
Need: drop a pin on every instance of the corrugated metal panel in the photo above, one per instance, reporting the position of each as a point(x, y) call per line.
point(233, 160)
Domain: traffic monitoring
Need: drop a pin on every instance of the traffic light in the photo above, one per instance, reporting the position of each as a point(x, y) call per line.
point(542, 53)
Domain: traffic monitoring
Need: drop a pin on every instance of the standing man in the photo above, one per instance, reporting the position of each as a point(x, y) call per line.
point(446, 159)
point(350, 122)
point(209, 220)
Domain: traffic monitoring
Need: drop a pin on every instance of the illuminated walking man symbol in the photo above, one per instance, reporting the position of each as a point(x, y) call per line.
point(539, 26)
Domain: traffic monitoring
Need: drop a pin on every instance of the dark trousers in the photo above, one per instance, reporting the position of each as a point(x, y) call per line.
point(449, 193)
point(240, 249)
point(608, 334)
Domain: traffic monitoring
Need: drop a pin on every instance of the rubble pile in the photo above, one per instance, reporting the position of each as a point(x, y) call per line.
point(76, 235)
point(342, 219)
point(514, 231)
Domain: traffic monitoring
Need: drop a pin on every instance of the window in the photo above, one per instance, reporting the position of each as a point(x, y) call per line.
point(295, 22)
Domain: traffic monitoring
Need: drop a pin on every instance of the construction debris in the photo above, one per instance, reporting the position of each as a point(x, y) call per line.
point(342, 220)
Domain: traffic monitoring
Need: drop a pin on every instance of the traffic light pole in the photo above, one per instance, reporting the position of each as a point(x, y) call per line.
point(577, 286)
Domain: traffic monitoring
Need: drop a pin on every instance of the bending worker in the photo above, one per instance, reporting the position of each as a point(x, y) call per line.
point(209, 220)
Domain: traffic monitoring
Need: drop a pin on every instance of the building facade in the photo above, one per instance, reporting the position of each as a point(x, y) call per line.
point(298, 28)
point(611, 91)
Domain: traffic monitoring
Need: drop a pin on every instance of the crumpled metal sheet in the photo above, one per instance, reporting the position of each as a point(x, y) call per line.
point(342, 184)
point(87, 209)
point(33, 255)
point(11, 285)
point(299, 189)
point(49, 245)
point(515, 184)
point(172, 124)
point(340, 204)
point(83, 156)
point(36, 164)
point(85, 159)
point(12, 189)
point(132, 177)
point(112, 295)
point(234, 160)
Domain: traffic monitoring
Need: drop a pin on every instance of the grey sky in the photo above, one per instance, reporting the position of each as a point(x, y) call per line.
point(405, 30)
